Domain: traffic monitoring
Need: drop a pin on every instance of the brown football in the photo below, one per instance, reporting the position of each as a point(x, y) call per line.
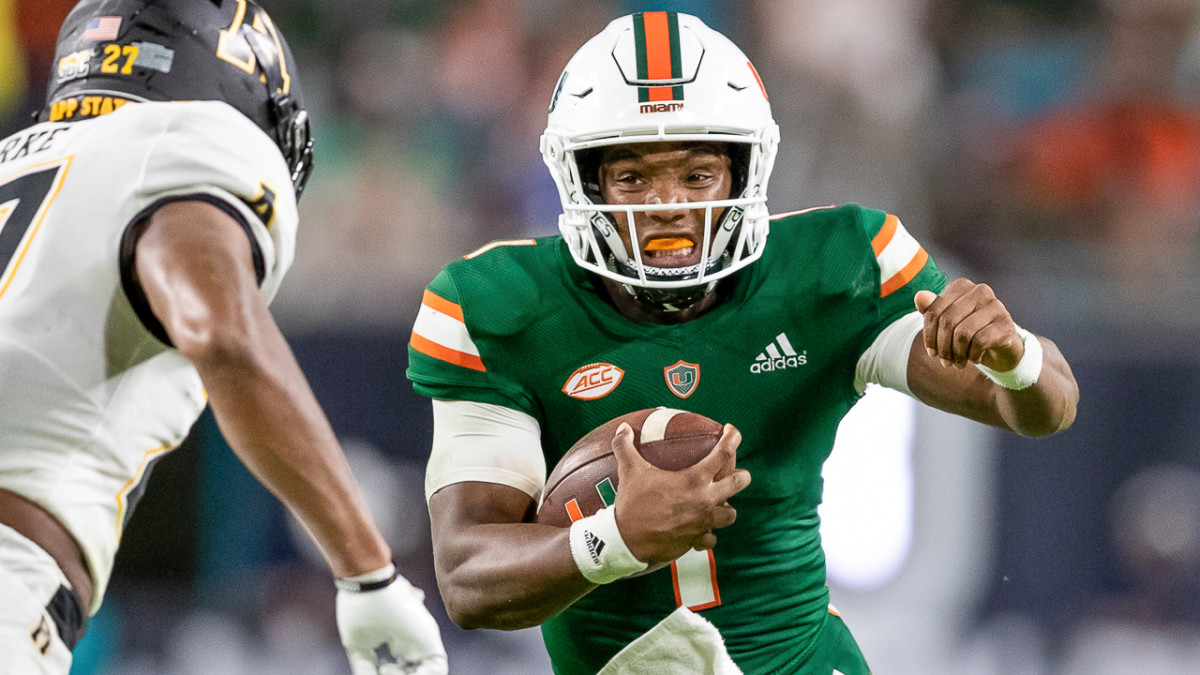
point(585, 479)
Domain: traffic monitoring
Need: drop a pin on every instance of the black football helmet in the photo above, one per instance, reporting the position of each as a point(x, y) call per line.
point(111, 52)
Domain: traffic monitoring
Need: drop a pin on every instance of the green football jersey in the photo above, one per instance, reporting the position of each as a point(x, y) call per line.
point(519, 324)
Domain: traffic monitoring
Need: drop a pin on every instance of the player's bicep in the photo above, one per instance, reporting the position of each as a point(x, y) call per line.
point(189, 265)
point(486, 443)
point(886, 361)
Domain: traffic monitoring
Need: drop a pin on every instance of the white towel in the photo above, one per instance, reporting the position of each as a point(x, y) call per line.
point(684, 643)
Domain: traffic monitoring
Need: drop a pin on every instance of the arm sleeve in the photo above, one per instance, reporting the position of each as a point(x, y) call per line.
point(886, 361)
point(486, 443)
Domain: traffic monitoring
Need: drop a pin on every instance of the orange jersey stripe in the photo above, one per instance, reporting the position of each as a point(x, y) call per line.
point(885, 235)
point(442, 305)
point(430, 348)
point(905, 275)
point(658, 48)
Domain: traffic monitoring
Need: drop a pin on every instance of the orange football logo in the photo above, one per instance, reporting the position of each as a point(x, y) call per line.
point(593, 381)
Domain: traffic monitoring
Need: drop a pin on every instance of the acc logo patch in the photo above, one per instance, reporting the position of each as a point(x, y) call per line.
point(682, 378)
point(593, 381)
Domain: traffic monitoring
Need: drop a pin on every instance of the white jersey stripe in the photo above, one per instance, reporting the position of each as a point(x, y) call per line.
point(444, 330)
point(900, 251)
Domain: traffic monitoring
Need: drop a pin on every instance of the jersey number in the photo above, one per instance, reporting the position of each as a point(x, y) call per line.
point(694, 575)
point(21, 200)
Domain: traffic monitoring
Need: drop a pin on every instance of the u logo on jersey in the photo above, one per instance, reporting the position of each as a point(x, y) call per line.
point(682, 378)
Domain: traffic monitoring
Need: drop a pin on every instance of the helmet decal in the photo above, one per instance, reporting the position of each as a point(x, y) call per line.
point(101, 29)
point(235, 46)
point(656, 36)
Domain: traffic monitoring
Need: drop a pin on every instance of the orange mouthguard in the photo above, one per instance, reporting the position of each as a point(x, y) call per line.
point(668, 244)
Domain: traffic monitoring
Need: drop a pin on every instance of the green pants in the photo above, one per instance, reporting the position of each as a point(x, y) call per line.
point(833, 650)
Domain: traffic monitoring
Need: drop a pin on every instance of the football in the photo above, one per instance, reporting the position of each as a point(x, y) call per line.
point(585, 479)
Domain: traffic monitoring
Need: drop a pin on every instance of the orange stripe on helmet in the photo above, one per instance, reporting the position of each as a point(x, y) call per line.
point(658, 46)
point(660, 93)
point(758, 79)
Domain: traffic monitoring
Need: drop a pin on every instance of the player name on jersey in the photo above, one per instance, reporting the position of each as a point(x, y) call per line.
point(29, 143)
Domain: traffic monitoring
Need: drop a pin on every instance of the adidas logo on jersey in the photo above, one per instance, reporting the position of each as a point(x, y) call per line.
point(778, 355)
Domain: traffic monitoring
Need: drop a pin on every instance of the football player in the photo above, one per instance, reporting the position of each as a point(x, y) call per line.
point(145, 224)
point(664, 290)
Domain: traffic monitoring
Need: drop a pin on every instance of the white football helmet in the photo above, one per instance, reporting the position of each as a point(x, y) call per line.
point(650, 77)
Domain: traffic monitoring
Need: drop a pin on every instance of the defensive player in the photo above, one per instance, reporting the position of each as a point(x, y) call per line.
point(664, 290)
point(144, 226)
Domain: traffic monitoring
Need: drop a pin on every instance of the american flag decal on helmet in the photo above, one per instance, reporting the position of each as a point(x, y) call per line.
point(101, 29)
point(658, 55)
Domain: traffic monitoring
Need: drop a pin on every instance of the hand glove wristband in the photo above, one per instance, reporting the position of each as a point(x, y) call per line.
point(598, 549)
point(371, 581)
point(1023, 375)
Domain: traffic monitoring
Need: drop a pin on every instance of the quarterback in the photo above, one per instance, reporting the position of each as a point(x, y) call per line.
point(664, 289)
point(145, 224)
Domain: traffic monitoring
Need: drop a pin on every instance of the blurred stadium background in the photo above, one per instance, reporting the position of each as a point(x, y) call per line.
point(1048, 147)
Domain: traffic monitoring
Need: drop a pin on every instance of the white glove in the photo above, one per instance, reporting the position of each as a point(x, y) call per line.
point(385, 627)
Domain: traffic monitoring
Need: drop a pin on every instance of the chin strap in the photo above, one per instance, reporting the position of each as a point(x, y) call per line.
point(670, 299)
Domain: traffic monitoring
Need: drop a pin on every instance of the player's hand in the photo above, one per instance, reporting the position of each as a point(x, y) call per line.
point(966, 324)
point(389, 632)
point(664, 514)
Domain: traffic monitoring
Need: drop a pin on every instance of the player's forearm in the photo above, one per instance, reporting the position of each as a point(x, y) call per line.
point(1046, 407)
point(508, 576)
point(195, 265)
point(274, 424)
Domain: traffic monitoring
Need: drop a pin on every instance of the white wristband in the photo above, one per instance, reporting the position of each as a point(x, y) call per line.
point(598, 549)
point(1023, 375)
